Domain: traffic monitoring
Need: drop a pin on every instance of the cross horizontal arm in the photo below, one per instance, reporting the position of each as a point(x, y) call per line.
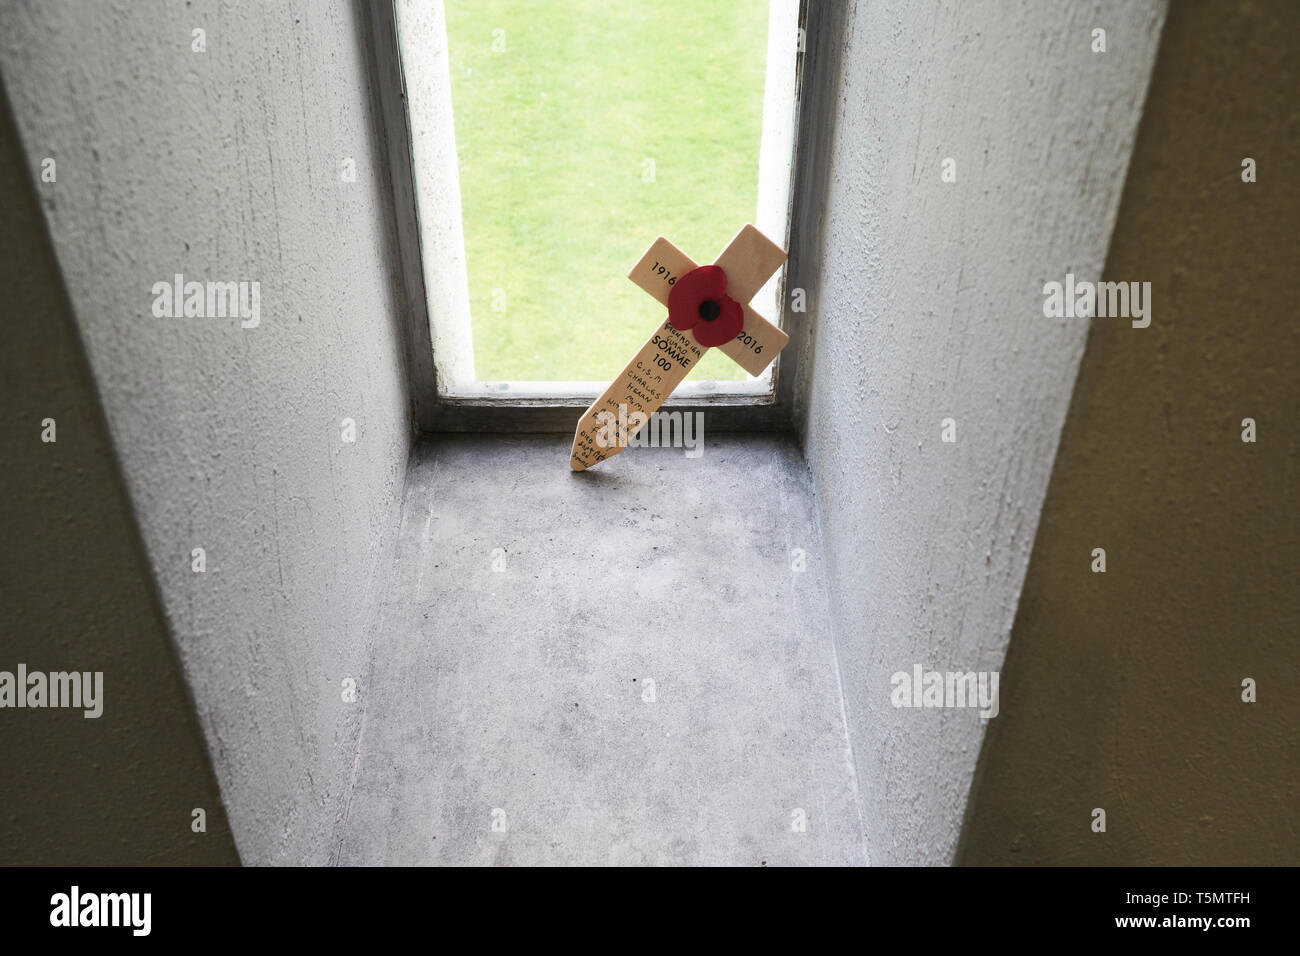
point(749, 260)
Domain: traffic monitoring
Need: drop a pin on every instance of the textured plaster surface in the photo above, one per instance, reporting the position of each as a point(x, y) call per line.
point(227, 165)
point(528, 612)
point(930, 307)
point(1124, 689)
point(118, 789)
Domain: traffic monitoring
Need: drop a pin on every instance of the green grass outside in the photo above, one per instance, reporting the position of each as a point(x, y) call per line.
point(552, 133)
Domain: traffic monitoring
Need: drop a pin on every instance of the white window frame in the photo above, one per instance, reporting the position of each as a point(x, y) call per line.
point(432, 257)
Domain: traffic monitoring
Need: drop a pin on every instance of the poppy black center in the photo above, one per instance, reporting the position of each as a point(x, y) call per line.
point(709, 310)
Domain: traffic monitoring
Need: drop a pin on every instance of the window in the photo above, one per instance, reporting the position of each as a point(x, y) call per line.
point(537, 150)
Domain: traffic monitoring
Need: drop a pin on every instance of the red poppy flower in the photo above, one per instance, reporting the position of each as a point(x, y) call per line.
point(698, 301)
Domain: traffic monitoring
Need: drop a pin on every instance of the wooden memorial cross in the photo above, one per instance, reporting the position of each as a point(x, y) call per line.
point(749, 260)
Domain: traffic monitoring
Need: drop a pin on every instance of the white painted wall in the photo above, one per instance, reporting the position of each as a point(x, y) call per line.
point(929, 307)
point(226, 165)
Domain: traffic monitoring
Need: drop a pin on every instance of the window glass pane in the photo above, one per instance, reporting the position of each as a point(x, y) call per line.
point(584, 129)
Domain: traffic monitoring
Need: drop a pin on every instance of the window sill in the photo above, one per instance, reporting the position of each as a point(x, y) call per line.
point(582, 394)
point(555, 407)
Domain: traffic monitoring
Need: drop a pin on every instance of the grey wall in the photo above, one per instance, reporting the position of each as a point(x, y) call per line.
point(226, 165)
point(929, 307)
point(119, 788)
point(1123, 689)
